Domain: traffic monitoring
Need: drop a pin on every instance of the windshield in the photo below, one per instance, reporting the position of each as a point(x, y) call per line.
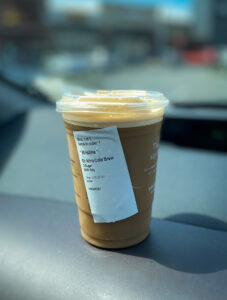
point(176, 47)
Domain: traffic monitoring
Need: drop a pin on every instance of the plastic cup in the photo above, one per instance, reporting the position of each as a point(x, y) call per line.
point(137, 117)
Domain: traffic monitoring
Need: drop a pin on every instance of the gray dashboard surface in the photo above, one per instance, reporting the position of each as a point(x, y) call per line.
point(34, 161)
point(42, 256)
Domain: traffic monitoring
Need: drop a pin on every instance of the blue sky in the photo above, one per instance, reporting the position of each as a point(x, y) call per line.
point(181, 3)
point(186, 4)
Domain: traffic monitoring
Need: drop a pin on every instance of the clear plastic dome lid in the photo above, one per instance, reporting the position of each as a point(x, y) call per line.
point(111, 101)
point(123, 108)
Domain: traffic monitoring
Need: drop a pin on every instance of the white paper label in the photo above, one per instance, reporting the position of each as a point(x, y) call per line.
point(106, 175)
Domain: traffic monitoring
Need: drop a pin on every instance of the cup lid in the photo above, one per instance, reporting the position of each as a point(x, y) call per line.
point(111, 101)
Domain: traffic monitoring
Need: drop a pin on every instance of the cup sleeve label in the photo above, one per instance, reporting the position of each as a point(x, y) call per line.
point(106, 176)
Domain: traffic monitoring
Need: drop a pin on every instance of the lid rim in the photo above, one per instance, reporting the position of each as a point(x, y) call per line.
point(130, 93)
point(149, 100)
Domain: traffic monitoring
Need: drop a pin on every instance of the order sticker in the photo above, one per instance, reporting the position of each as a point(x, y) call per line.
point(106, 175)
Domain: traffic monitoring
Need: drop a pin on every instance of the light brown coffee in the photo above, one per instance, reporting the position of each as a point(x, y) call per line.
point(138, 117)
point(140, 146)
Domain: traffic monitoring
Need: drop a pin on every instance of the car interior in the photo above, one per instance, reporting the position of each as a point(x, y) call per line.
point(42, 254)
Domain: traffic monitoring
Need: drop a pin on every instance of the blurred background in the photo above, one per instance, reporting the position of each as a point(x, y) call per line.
point(178, 47)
